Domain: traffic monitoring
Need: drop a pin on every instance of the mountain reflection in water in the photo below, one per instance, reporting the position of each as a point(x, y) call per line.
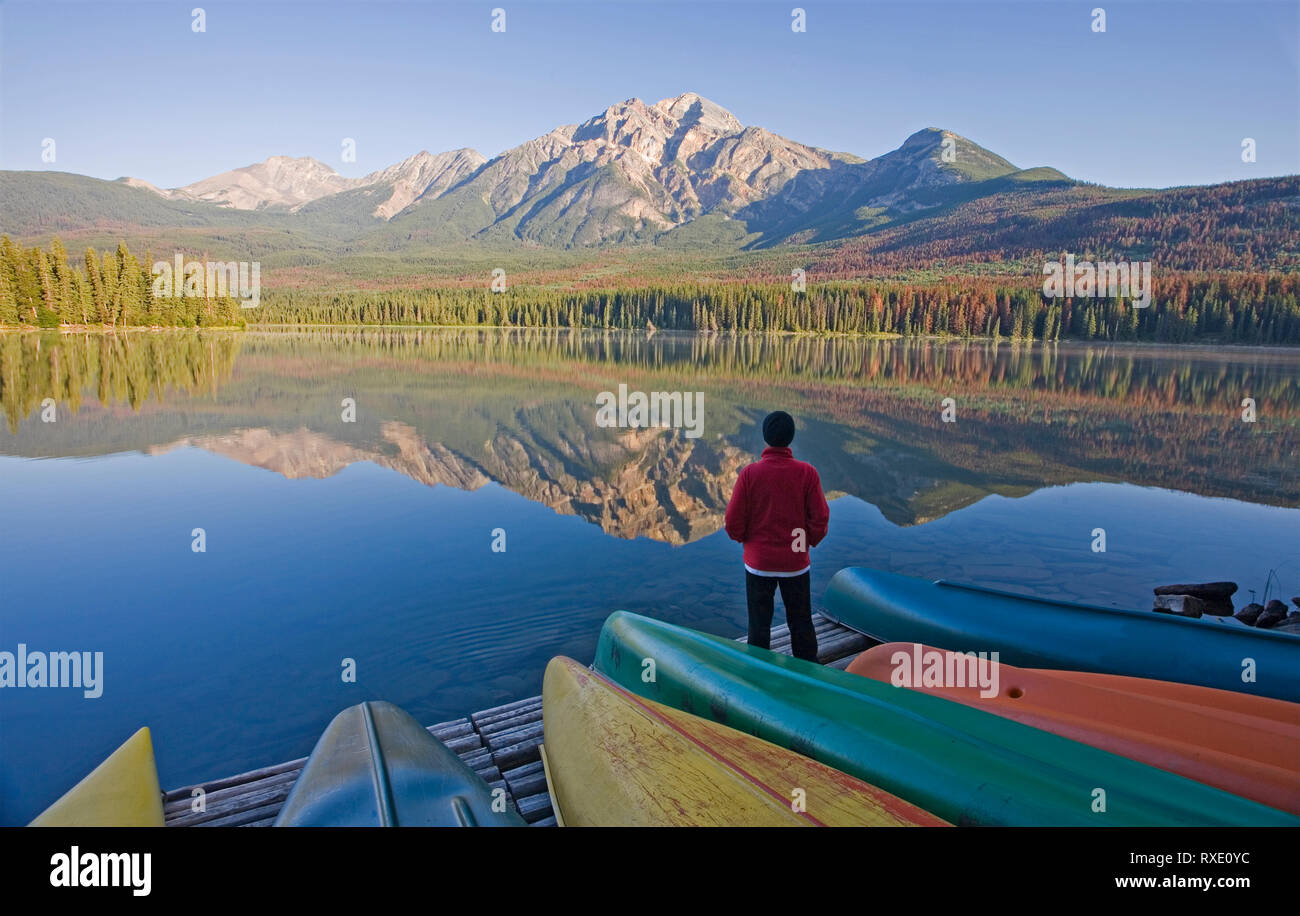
point(464, 408)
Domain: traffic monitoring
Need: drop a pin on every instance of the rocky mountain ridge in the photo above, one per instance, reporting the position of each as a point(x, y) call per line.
point(632, 172)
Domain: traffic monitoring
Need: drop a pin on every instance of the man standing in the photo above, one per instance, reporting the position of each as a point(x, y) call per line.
point(778, 511)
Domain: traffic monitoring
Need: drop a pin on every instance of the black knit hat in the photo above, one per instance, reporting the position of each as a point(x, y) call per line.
point(778, 429)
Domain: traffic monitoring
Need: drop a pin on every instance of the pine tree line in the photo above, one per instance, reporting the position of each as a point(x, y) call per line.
point(40, 288)
point(1237, 308)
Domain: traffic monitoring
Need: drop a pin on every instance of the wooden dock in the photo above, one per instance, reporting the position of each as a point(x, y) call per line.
point(500, 744)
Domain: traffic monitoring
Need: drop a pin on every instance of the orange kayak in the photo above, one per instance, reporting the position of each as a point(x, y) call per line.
point(1247, 745)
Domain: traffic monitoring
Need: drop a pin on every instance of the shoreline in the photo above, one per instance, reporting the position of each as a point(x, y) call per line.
point(934, 338)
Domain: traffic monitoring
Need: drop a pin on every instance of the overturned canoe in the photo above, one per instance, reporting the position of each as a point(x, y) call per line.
point(121, 792)
point(1249, 746)
point(960, 764)
point(618, 760)
point(1040, 633)
point(375, 766)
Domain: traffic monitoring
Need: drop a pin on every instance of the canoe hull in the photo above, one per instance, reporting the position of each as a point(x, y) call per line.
point(616, 759)
point(376, 766)
point(1249, 746)
point(121, 792)
point(1034, 633)
point(960, 764)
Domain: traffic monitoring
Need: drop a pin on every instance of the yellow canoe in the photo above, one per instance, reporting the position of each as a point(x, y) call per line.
point(616, 759)
point(121, 792)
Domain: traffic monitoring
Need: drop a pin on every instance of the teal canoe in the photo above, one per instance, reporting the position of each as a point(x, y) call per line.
point(964, 765)
point(376, 766)
point(1039, 633)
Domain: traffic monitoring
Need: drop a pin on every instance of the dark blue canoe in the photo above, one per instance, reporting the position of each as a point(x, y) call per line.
point(375, 766)
point(1042, 633)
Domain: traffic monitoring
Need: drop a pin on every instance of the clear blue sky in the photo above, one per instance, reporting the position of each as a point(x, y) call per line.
point(1163, 98)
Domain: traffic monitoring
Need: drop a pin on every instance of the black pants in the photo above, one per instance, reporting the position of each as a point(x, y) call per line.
point(797, 598)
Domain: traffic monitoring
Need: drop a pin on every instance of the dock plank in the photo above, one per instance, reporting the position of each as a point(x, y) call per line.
point(515, 721)
point(535, 807)
point(501, 744)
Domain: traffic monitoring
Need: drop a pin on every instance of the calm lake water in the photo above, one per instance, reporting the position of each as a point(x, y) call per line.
point(372, 540)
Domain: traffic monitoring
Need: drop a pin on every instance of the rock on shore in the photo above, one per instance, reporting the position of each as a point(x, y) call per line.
point(1193, 600)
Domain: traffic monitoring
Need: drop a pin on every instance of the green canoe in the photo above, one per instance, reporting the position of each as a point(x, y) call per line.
point(961, 764)
point(375, 766)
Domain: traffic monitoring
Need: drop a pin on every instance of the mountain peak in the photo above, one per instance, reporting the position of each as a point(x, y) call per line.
point(691, 108)
point(421, 175)
point(931, 136)
point(951, 153)
point(293, 161)
point(279, 181)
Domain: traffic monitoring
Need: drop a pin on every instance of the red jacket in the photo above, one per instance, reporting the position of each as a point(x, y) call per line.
point(773, 498)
